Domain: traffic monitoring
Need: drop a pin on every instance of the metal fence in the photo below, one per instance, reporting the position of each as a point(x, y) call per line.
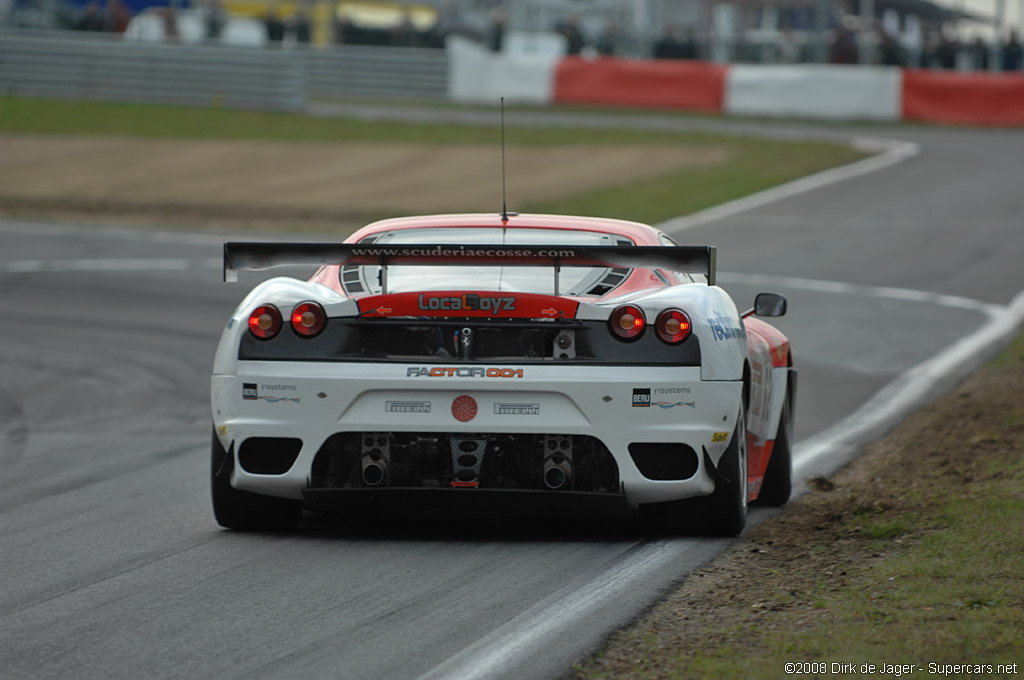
point(351, 71)
point(245, 78)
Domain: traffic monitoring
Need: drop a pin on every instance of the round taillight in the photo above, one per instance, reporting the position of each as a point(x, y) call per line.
point(308, 319)
point(627, 322)
point(673, 326)
point(265, 322)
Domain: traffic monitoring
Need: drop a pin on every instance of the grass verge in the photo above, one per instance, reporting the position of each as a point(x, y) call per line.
point(753, 164)
point(912, 557)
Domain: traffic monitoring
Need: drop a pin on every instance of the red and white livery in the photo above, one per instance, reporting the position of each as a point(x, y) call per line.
point(525, 363)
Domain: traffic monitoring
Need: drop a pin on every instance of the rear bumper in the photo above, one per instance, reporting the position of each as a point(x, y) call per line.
point(619, 406)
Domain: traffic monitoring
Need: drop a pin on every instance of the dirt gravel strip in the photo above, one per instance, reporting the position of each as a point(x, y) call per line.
point(302, 185)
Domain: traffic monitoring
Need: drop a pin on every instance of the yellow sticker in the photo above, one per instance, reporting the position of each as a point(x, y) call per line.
point(222, 430)
point(720, 437)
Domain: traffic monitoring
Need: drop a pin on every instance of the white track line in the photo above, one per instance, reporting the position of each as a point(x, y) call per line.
point(893, 152)
point(882, 292)
point(144, 235)
point(501, 652)
point(903, 395)
point(123, 264)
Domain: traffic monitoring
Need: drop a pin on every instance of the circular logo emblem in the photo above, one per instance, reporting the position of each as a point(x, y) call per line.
point(464, 408)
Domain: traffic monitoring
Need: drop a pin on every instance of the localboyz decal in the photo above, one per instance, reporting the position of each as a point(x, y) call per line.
point(468, 302)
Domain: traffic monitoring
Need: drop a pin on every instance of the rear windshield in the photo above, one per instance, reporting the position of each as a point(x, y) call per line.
point(586, 281)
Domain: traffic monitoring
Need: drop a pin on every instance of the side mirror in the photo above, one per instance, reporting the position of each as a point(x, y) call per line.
point(767, 304)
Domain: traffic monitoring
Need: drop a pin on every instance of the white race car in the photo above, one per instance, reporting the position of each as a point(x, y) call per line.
point(499, 363)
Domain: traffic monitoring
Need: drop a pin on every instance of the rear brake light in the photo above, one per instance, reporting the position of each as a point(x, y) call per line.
point(265, 322)
point(308, 319)
point(673, 326)
point(627, 322)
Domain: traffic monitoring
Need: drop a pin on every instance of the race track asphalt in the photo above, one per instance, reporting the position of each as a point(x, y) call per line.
point(112, 565)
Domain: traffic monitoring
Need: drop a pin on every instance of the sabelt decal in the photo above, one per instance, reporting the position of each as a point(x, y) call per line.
point(517, 409)
point(720, 436)
point(468, 304)
point(462, 372)
point(407, 406)
point(464, 408)
point(642, 397)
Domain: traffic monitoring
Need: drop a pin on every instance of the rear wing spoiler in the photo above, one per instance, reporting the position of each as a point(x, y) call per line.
point(261, 256)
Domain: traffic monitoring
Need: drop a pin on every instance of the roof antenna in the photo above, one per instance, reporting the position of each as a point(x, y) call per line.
point(504, 209)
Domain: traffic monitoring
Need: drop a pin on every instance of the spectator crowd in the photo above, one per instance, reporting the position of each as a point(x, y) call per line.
point(112, 17)
point(847, 43)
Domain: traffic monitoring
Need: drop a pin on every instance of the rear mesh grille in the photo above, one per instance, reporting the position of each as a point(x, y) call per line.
point(445, 460)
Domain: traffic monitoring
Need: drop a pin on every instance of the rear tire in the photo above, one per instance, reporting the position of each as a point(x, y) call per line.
point(778, 477)
point(727, 506)
point(244, 510)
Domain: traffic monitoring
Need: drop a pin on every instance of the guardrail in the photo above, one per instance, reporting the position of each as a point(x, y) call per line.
point(356, 71)
point(245, 78)
point(67, 64)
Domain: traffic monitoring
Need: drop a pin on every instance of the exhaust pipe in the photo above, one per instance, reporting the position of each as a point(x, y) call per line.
point(376, 456)
point(557, 472)
point(374, 472)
